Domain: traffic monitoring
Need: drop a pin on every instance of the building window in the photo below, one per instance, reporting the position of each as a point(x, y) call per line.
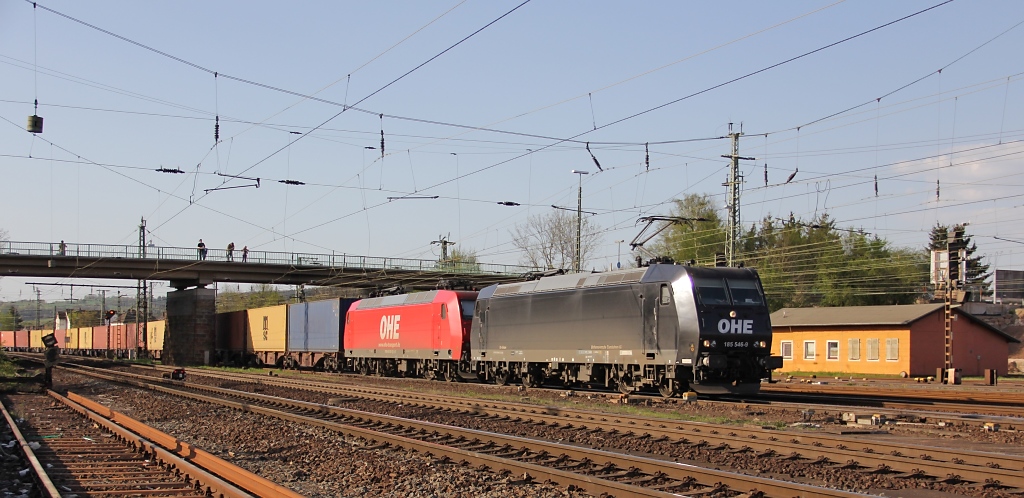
point(854, 348)
point(786, 348)
point(832, 349)
point(872, 349)
point(892, 349)
point(808, 350)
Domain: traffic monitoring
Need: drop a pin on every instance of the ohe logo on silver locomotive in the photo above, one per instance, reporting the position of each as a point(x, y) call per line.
point(389, 327)
point(727, 326)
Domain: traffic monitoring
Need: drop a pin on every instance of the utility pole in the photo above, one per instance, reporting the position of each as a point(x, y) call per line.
point(39, 319)
point(579, 221)
point(444, 243)
point(956, 275)
point(141, 303)
point(733, 195)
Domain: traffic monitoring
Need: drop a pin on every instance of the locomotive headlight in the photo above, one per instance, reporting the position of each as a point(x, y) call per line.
point(762, 344)
point(707, 343)
point(732, 314)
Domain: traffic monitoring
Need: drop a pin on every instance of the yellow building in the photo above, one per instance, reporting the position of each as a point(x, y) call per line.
point(902, 339)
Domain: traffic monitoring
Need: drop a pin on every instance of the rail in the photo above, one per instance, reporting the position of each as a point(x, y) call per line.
point(331, 260)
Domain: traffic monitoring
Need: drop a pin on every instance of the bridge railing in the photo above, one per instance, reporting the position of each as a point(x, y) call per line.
point(332, 260)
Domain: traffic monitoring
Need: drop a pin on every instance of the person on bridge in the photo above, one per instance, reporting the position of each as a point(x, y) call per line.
point(202, 250)
point(63, 248)
point(245, 254)
point(231, 251)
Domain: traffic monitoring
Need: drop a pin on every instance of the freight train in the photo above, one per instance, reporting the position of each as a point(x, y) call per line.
point(663, 327)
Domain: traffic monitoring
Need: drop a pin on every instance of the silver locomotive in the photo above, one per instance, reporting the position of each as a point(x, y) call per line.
point(666, 327)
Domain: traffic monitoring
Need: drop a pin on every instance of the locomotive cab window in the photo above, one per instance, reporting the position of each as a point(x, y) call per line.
point(666, 296)
point(744, 292)
point(711, 291)
point(468, 308)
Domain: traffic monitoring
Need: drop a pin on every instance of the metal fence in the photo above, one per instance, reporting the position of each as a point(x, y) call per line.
point(332, 260)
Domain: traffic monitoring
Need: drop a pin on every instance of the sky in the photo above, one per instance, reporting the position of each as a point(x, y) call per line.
point(482, 102)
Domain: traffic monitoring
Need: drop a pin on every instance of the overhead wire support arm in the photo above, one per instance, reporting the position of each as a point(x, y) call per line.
point(176, 171)
point(640, 239)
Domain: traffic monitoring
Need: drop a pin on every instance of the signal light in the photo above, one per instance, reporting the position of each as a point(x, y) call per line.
point(109, 314)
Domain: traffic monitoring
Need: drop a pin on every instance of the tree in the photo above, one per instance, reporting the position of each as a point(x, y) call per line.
point(462, 260)
point(803, 263)
point(693, 240)
point(11, 320)
point(977, 273)
point(549, 241)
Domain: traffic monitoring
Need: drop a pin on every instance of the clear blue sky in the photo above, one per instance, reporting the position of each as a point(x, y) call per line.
point(550, 69)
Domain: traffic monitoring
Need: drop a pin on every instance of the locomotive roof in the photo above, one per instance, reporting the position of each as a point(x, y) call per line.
point(653, 273)
point(402, 299)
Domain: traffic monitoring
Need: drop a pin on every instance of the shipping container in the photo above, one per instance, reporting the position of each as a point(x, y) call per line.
point(266, 329)
point(101, 338)
point(60, 335)
point(131, 336)
point(231, 331)
point(85, 339)
point(7, 339)
point(21, 339)
point(155, 336)
point(317, 326)
point(71, 342)
point(36, 340)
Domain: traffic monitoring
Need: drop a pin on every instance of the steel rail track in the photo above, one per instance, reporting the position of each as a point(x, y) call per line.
point(108, 459)
point(595, 471)
point(905, 403)
point(910, 460)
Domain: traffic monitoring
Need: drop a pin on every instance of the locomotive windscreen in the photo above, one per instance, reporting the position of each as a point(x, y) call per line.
point(717, 291)
point(744, 292)
point(468, 307)
point(711, 291)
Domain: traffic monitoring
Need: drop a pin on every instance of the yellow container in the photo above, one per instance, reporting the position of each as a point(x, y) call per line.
point(35, 339)
point(266, 327)
point(155, 335)
point(71, 340)
point(85, 338)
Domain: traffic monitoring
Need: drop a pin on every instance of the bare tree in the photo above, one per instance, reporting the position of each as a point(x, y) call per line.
point(549, 241)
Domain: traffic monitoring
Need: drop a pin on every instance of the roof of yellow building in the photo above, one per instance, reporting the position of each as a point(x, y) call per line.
point(903, 314)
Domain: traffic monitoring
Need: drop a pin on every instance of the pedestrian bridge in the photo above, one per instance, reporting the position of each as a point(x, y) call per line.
point(182, 267)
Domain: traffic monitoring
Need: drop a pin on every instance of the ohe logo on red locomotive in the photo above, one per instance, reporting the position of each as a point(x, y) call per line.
point(389, 327)
point(727, 326)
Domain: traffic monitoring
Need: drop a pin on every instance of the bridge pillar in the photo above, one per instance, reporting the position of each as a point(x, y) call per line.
point(191, 325)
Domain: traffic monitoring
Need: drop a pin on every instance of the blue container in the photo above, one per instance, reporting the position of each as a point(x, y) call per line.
point(317, 326)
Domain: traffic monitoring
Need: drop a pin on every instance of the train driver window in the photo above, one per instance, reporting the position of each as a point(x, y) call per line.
point(444, 311)
point(711, 291)
point(745, 292)
point(468, 308)
point(666, 297)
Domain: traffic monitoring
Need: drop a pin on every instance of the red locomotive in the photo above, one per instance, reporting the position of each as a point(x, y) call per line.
point(425, 334)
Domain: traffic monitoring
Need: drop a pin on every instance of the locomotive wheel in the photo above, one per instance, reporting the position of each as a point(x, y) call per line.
point(451, 375)
point(667, 388)
point(531, 379)
point(625, 384)
point(501, 377)
point(364, 369)
point(429, 373)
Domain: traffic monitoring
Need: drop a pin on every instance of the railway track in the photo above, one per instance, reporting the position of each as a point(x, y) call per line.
point(1000, 403)
point(895, 459)
point(77, 447)
point(595, 471)
point(954, 466)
